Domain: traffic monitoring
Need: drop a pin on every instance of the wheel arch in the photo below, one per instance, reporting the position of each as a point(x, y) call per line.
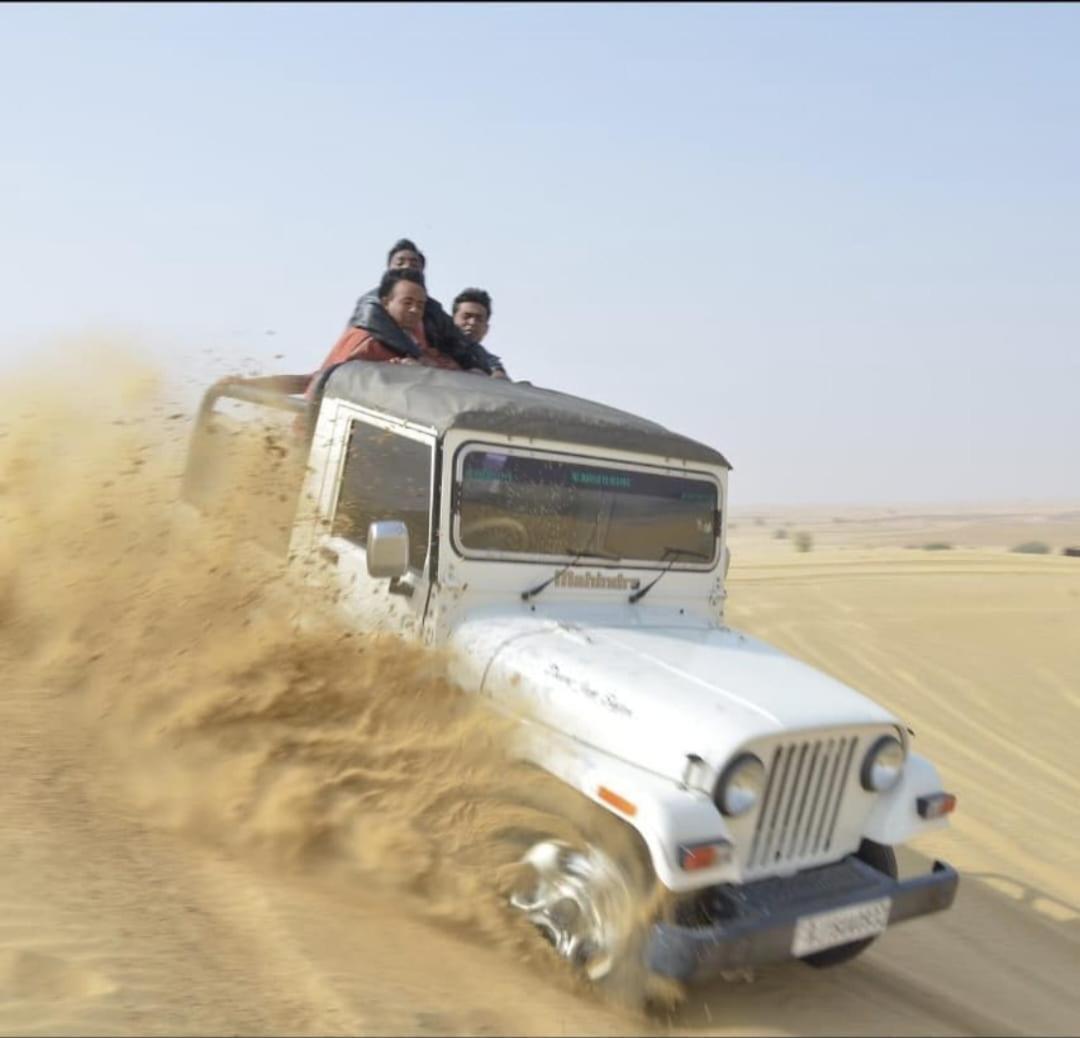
point(664, 814)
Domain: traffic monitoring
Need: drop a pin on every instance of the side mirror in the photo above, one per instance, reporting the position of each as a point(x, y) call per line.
point(387, 549)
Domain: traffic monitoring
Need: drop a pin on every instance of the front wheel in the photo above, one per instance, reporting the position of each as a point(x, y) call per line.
point(879, 857)
point(581, 901)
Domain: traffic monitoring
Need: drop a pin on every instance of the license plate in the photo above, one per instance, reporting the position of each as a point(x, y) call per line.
point(839, 926)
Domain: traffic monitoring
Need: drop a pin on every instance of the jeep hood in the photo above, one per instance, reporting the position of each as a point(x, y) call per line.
point(650, 695)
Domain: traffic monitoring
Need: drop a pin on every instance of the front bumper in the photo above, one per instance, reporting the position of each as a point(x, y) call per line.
point(742, 926)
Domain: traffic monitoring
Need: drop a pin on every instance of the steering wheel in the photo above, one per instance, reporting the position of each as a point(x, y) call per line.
point(514, 530)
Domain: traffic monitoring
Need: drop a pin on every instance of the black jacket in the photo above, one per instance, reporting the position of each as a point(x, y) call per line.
point(442, 333)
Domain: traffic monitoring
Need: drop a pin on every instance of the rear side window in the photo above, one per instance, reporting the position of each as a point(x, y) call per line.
point(386, 476)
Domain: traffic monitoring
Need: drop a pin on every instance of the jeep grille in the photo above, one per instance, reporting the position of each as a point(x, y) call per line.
point(803, 796)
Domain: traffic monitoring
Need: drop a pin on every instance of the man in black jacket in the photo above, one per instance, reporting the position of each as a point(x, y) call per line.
point(439, 327)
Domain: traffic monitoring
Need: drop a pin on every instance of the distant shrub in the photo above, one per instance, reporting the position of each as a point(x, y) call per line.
point(1073, 552)
point(759, 521)
point(938, 546)
point(780, 534)
point(1032, 548)
point(803, 541)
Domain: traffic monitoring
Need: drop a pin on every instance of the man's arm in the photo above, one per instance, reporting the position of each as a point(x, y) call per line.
point(363, 308)
point(447, 336)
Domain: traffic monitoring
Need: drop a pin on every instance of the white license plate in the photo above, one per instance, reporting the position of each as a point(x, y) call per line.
point(839, 926)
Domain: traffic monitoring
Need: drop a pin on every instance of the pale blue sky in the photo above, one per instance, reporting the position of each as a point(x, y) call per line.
point(841, 243)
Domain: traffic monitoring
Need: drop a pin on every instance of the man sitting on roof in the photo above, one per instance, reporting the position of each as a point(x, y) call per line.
point(402, 297)
point(437, 326)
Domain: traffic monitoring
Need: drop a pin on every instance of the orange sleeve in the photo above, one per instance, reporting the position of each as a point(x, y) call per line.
point(354, 344)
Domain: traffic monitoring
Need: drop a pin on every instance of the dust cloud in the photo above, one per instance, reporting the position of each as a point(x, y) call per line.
point(227, 811)
point(230, 700)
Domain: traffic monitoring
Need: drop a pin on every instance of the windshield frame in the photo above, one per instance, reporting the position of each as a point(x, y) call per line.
point(591, 561)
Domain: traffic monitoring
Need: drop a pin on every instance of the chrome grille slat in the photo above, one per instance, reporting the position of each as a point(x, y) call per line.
point(818, 803)
point(798, 819)
point(777, 805)
point(843, 784)
point(769, 783)
point(793, 795)
point(833, 771)
point(793, 845)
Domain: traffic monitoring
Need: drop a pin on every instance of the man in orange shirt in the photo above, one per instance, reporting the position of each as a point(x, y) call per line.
point(403, 296)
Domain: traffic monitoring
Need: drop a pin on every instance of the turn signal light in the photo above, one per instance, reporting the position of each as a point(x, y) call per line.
point(935, 805)
point(609, 796)
point(704, 855)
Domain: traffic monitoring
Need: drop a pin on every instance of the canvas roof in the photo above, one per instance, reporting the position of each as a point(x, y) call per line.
point(444, 400)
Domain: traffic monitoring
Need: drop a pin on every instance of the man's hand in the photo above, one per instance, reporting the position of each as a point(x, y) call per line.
point(499, 373)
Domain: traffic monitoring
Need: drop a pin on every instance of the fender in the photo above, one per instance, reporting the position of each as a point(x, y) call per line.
point(665, 814)
point(894, 818)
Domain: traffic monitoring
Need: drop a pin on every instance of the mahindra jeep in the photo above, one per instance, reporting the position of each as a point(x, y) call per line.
point(571, 559)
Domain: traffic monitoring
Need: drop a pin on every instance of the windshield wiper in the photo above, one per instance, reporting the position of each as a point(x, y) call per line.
point(578, 556)
point(636, 596)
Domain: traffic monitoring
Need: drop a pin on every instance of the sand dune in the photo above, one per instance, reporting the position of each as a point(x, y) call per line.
point(214, 822)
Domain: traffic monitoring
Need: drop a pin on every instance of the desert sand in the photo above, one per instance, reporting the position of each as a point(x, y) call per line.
point(201, 804)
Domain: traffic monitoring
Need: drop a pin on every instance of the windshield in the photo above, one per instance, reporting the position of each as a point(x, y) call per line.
point(516, 504)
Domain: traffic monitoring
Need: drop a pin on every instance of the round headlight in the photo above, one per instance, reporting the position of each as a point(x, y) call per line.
point(740, 786)
point(883, 764)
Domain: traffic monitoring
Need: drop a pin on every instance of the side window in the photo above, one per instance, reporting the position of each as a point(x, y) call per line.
point(386, 476)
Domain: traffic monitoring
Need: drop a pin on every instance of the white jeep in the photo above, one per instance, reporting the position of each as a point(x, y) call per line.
point(571, 557)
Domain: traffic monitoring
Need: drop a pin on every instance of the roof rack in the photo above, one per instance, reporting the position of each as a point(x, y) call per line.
point(280, 391)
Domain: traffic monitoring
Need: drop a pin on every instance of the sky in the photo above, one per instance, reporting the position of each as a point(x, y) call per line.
point(839, 242)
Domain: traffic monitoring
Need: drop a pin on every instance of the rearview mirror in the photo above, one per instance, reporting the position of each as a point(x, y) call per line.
point(387, 549)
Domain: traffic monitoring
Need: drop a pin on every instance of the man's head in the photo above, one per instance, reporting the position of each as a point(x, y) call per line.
point(403, 295)
point(472, 313)
point(404, 255)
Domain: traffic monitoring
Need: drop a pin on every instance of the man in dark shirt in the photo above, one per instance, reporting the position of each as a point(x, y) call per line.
point(439, 327)
point(471, 311)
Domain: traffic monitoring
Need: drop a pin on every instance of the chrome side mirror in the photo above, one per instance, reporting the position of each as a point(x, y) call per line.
point(387, 549)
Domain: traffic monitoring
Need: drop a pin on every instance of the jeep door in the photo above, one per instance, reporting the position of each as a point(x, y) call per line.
point(384, 471)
